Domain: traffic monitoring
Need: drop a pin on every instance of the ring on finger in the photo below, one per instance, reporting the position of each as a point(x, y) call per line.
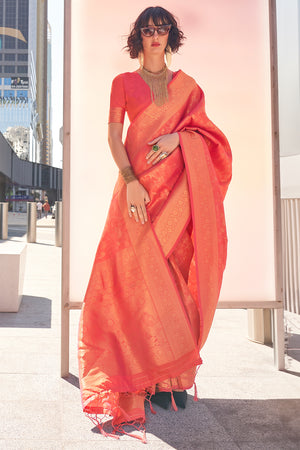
point(132, 208)
point(163, 155)
point(155, 148)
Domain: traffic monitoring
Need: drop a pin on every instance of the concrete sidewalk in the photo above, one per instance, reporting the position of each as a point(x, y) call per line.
point(20, 219)
point(244, 402)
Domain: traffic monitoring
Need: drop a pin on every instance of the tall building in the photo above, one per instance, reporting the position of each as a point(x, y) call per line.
point(48, 131)
point(41, 74)
point(23, 65)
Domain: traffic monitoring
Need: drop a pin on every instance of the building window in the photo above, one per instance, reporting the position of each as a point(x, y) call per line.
point(1, 14)
point(11, 14)
point(0, 56)
point(9, 42)
point(23, 21)
point(7, 81)
point(22, 57)
point(9, 69)
point(22, 69)
point(9, 94)
point(22, 25)
point(9, 57)
point(22, 94)
point(22, 44)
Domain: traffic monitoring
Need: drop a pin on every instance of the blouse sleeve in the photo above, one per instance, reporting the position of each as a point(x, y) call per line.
point(117, 101)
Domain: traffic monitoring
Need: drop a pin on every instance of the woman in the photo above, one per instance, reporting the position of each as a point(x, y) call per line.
point(158, 268)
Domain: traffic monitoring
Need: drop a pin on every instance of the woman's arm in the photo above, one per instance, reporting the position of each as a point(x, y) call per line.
point(136, 193)
point(116, 145)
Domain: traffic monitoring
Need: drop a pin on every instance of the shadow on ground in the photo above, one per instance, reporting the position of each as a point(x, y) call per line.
point(245, 423)
point(221, 423)
point(72, 379)
point(16, 231)
point(34, 312)
point(294, 347)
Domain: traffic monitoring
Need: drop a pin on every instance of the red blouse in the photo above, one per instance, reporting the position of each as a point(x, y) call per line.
point(130, 93)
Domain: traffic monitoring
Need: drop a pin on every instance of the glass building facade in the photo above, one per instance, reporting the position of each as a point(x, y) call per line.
point(17, 67)
point(14, 19)
point(25, 83)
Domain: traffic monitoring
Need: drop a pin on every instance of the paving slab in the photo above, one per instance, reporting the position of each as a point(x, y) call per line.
point(27, 387)
point(29, 444)
point(30, 419)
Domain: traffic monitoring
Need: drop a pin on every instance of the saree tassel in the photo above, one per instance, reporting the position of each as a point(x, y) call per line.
point(141, 428)
point(112, 435)
point(99, 424)
point(151, 407)
point(148, 399)
point(173, 402)
point(195, 386)
point(195, 393)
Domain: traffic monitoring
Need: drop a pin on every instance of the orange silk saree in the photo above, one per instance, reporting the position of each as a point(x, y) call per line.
point(153, 288)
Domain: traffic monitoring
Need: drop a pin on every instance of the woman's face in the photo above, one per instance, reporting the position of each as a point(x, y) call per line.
point(156, 44)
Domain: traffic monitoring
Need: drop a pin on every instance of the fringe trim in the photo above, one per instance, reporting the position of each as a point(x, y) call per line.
point(173, 402)
point(114, 414)
point(101, 422)
point(195, 386)
point(110, 418)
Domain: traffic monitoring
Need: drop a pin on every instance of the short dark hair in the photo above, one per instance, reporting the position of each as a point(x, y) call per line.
point(159, 16)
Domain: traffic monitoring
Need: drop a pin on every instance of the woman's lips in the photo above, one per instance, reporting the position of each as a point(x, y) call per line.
point(155, 44)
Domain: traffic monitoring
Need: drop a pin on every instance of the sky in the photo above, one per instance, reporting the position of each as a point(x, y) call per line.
point(56, 21)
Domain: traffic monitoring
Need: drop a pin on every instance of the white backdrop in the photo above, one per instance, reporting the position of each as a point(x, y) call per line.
point(227, 52)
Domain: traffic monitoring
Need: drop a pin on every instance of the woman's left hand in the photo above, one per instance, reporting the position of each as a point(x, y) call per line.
point(166, 145)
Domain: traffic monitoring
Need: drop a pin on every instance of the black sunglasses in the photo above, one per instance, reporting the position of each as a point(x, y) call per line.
point(161, 30)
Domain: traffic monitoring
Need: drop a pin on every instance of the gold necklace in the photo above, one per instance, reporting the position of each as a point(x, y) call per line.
point(158, 83)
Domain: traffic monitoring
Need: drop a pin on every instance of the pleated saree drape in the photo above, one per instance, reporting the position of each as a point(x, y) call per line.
point(153, 288)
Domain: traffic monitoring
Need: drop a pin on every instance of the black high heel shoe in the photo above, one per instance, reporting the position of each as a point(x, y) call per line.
point(162, 399)
point(180, 398)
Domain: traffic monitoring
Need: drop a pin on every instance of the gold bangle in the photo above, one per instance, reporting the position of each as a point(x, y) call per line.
point(128, 174)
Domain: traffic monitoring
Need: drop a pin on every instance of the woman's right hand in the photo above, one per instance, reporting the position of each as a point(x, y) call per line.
point(138, 197)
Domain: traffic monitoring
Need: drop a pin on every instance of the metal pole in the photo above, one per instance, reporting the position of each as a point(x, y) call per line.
point(278, 315)
point(31, 221)
point(65, 288)
point(58, 224)
point(3, 220)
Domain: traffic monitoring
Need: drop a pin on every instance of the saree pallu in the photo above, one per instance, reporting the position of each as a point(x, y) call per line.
point(154, 288)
